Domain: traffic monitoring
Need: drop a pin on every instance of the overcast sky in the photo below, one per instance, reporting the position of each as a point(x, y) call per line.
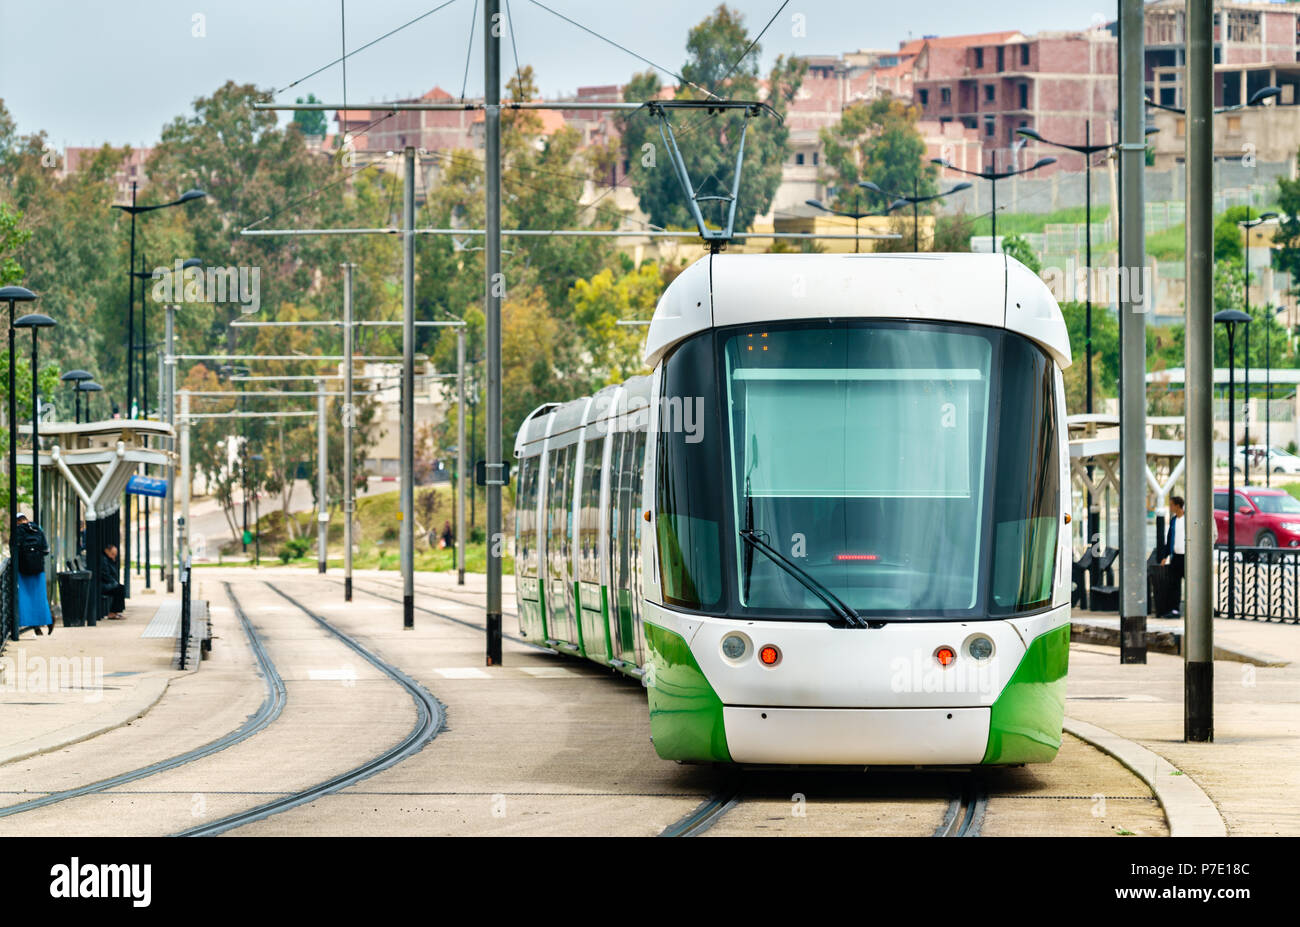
point(94, 71)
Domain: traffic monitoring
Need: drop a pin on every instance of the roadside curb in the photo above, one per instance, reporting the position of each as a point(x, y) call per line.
point(148, 693)
point(1189, 811)
point(1165, 641)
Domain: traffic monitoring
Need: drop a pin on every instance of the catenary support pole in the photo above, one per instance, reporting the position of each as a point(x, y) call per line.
point(184, 488)
point(407, 442)
point(322, 490)
point(1198, 632)
point(1133, 399)
point(495, 288)
point(461, 475)
point(169, 411)
point(349, 420)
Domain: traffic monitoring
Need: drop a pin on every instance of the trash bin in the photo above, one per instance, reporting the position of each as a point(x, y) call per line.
point(74, 594)
point(1163, 589)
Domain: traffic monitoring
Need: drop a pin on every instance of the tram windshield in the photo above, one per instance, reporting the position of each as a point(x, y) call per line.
point(906, 469)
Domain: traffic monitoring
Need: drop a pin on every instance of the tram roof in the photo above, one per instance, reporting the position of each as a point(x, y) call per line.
point(983, 289)
point(563, 422)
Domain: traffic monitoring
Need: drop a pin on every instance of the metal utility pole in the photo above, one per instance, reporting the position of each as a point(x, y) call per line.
point(169, 404)
point(1198, 631)
point(322, 493)
point(495, 289)
point(184, 524)
point(349, 419)
point(408, 390)
point(1133, 398)
point(461, 475)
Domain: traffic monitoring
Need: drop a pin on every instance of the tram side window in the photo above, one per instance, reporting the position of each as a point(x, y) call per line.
point(526, 517)
point(635, 458)
point(557, 510)
point(689, 490)
point(589, 513)
point(1027, 481)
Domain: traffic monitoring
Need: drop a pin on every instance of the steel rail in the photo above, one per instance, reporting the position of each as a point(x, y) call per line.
point(430, 720)
point(268, 711)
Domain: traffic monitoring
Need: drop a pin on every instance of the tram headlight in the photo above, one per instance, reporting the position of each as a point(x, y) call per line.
point(979, 647)
point(735, 647)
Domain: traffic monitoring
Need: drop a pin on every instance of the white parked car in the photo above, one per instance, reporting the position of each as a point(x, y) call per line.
point(1278, 460)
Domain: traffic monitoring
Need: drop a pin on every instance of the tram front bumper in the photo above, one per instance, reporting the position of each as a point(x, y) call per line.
point(857, 736)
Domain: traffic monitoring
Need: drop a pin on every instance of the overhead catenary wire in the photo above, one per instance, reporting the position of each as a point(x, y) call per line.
point(623, 48)
point(347, 54)
point(469, 50)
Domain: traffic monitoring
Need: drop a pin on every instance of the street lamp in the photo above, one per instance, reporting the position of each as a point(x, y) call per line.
point(1268, 394)
point(35, 321)
point(133, 210)
point(88, 386)
point(1230, 319)
point(257, 518)
point(915, 199)
point(12, 295)
point(76, 377)
point(993, 175)
point(1088, 150)
point(1260, 96)
point(1245, 463)
point(855, 215)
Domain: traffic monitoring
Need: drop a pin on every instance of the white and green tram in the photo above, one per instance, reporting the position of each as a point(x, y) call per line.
point(829, 527)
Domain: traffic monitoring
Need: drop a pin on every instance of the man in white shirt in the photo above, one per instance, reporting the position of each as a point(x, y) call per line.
point(1176, 544)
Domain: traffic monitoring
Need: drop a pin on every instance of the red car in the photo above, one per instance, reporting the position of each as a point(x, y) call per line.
point(1265, 517)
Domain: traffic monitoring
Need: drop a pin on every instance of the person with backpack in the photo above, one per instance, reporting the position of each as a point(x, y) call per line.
point(29, 551)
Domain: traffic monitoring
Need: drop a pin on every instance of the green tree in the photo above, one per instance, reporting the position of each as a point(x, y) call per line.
point(310, 121)
point(12, 236)
point(1018, 248)
point(876, 141)
point(716, 62)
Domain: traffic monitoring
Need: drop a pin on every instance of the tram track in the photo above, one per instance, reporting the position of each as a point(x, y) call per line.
point(270, 709)
point(430, 720)
point(963, 817)
point(445, 617)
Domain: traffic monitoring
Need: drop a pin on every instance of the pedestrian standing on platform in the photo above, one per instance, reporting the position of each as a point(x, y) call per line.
point(1176, 547)
point(109, 583)
point(31, 549)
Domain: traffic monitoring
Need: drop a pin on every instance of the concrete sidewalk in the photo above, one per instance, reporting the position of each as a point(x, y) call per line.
point(1250, 771)
point(67, 687)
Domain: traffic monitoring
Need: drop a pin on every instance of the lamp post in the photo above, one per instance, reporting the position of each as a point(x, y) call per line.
point(1230, 319)
point(855, 214)
point(75, 377)
point(257, 518)
point(1088, 150)
point(1268, 395)
point(12, 295)
point(35, 321)
point(238, 370)
point(134, 210)
point(1249, 224)
point(915, 199)
point(88, 386)
point(1259, 97)
point(992, 175)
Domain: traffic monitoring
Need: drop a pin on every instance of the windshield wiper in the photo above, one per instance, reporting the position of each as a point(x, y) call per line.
point(836, 605)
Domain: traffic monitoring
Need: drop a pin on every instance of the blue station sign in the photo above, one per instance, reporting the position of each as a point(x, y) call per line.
point(146, 486)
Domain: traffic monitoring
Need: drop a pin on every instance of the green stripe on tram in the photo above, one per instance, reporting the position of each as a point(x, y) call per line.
point(686, 721)
point(1025, 720)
